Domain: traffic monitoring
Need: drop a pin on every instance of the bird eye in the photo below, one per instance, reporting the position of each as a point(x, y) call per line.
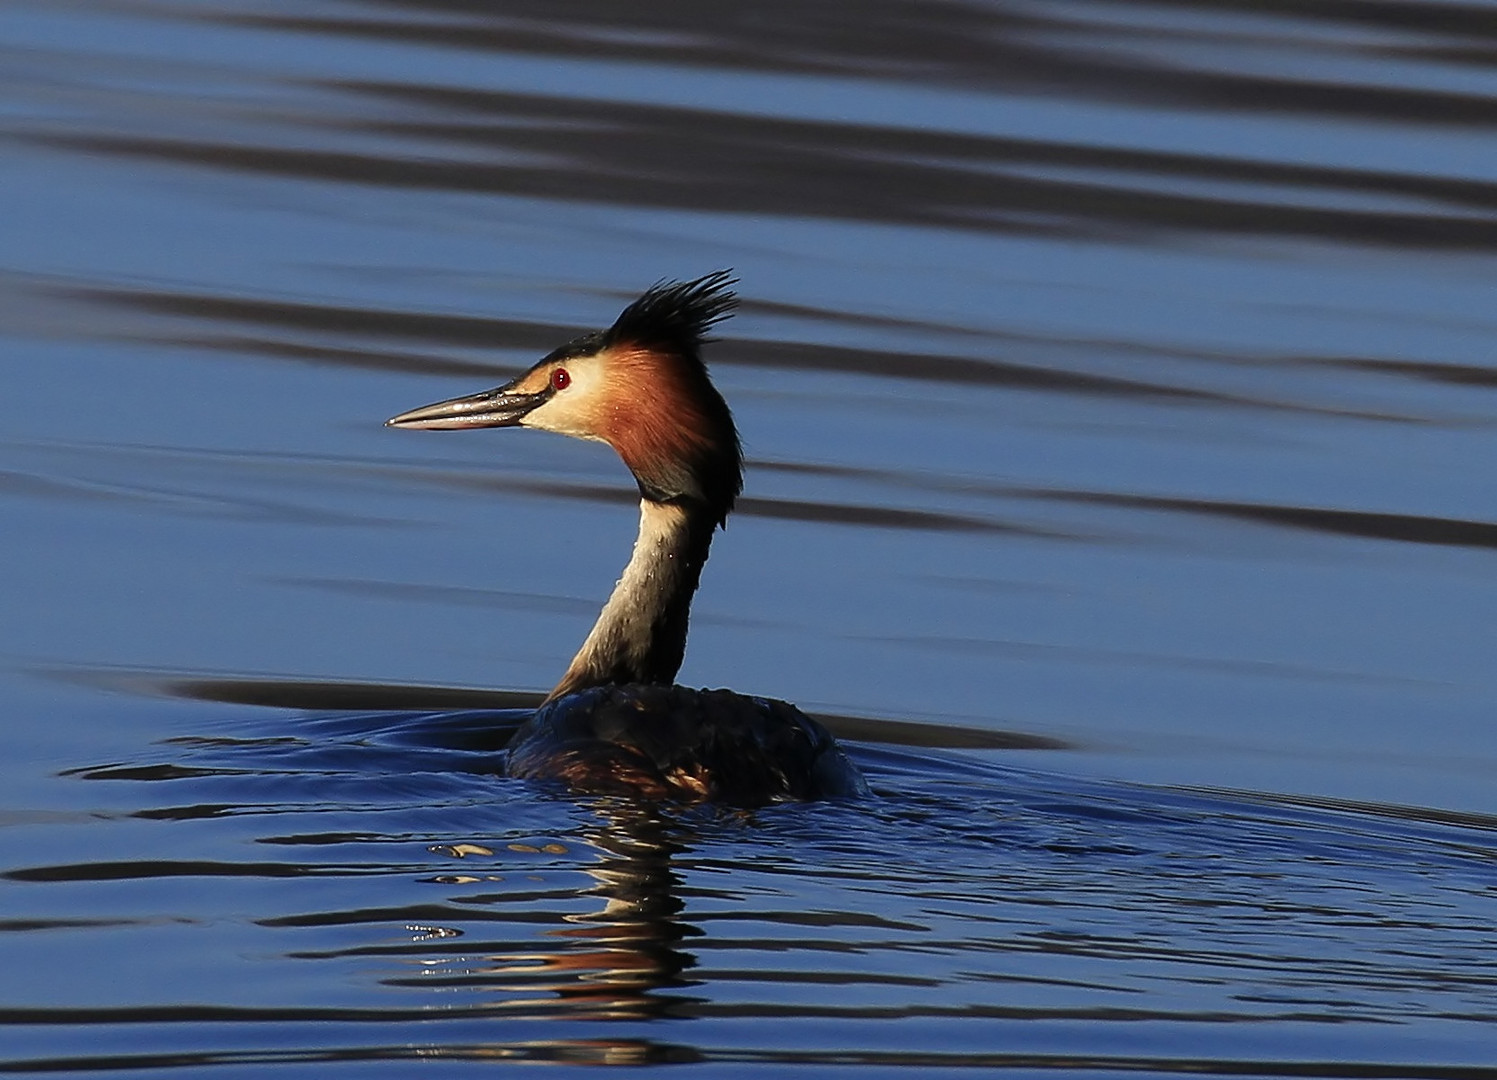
point(560, 380)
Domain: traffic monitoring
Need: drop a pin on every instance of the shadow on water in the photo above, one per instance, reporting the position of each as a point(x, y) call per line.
point(638, 157)
point(609, 152)
point(471, 330)
point(489, 717)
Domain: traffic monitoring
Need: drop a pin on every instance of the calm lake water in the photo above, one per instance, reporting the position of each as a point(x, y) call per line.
point(1119, 388)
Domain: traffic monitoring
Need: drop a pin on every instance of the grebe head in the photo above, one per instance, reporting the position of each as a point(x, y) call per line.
point(639, 386)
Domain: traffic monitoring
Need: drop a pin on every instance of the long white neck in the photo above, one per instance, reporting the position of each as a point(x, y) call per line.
point(640, 636)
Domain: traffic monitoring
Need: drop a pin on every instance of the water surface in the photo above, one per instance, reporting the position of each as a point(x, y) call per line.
point(1117, 387)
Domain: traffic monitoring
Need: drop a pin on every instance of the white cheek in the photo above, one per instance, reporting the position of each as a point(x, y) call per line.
point(571, 411)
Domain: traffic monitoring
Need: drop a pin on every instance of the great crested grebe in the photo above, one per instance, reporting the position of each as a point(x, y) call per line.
point(615, 722)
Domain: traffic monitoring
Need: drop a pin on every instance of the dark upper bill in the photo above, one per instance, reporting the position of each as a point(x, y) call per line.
point(492, 408)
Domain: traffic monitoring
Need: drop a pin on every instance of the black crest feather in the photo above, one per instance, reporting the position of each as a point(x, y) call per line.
point(676, 315)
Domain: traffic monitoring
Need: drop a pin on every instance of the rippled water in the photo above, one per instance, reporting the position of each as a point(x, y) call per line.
point(360, 888)
point(1117, 384)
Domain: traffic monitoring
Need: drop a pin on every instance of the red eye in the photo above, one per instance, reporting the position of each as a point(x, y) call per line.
point(560, 380)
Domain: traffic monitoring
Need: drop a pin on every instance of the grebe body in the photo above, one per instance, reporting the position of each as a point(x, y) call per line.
point(615, 722)
point(675, 743)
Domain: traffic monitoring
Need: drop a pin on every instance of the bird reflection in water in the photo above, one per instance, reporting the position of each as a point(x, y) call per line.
point(620, 961)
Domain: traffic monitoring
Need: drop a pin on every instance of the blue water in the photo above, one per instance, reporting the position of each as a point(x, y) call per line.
point(1117, 388)
point(361, 888)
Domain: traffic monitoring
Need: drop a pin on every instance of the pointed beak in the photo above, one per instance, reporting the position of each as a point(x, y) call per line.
point(503, 407)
